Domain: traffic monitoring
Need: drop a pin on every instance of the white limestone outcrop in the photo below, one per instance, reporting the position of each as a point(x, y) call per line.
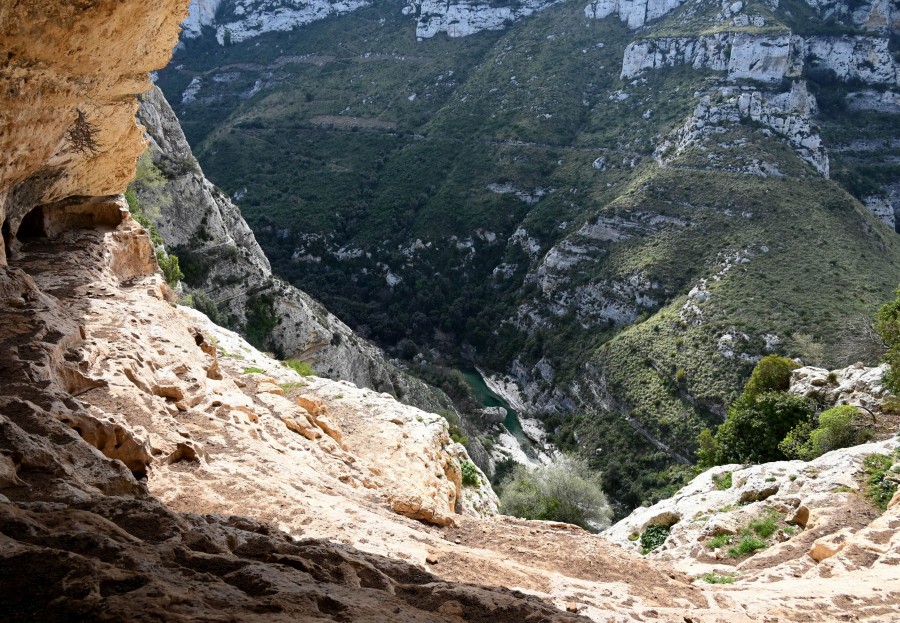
point(767, 58)
point(809, 502)
point(787, 115)
point(872, 15)
point(201, 13)
point(250, 18)
point(460, 19)
point(635, 13)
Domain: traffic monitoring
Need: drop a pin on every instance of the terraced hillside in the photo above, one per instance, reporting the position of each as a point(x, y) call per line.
point(614, 211)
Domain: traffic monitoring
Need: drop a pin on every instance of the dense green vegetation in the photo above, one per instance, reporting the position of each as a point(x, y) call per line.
point(653, 537)
point(766, 423)
point(461, 191)
point(566, 491)
point(887, 323)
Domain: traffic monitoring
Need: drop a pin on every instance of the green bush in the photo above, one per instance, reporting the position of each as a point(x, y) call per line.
point(771, 374)
point(796, 444)
point(879, 490)
point(759, 420)
point(747, 545)
point(722, 481)
point(887, 324)
point(566, 491)
point(202, 303)
point(755, 427)
point(714, 577)
point(708, 449)
point(470, 476)
point(169, 266)
point(839, 427)
point(764, 527)
point(261, 320)
point(720, 541)
point(653, 537)
point(300, 367)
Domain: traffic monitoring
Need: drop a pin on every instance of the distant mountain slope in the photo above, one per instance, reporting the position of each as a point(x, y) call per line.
point(229, 277)
point(615, 207)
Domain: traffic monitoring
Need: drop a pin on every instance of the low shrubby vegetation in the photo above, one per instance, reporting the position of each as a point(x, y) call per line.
point(149, 183)
point(887, 324)
point(714, 577)
point(653, 537)
point(881, 480)
point(470, 477)
point(766, 423)
point(566, 491)
point(300, 367)
point(757, 534)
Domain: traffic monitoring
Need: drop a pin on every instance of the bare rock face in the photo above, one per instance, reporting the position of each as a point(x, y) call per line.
point(767, 58)
point(855, 385)
point(68, 129)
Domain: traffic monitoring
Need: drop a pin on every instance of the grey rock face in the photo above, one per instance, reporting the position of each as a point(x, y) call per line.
point(767, 58)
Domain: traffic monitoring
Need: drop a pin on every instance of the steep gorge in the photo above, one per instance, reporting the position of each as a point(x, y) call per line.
point(614, 209)
point(154, 466)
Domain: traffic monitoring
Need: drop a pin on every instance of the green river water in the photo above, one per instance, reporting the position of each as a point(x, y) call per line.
point(487, 398)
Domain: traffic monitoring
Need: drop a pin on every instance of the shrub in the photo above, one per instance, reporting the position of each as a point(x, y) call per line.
point(722, 481)
point(796, 444)
point(887, 324)
point(566, 491)
point(169, 266)
point(714, 577)
point(839, 427)
point(470, 476)
point(300, 367)
point(771, 374)
point(708, 449)
point(764, 527)
point(653, 537)
point(747, 545)
point(720, 541)
point(755, 427)
point(879, 490)
point(202, 303)
point(253, 370)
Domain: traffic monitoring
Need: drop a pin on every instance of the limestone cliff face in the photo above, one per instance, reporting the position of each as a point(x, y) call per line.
point(198, 220)
point(460, 19)
point(50, 76)
point(768, 58)
point(243, 19)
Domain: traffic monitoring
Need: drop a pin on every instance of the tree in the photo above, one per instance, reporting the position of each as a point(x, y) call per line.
point(566, 491)
point(771, 374)
point(756, 425)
